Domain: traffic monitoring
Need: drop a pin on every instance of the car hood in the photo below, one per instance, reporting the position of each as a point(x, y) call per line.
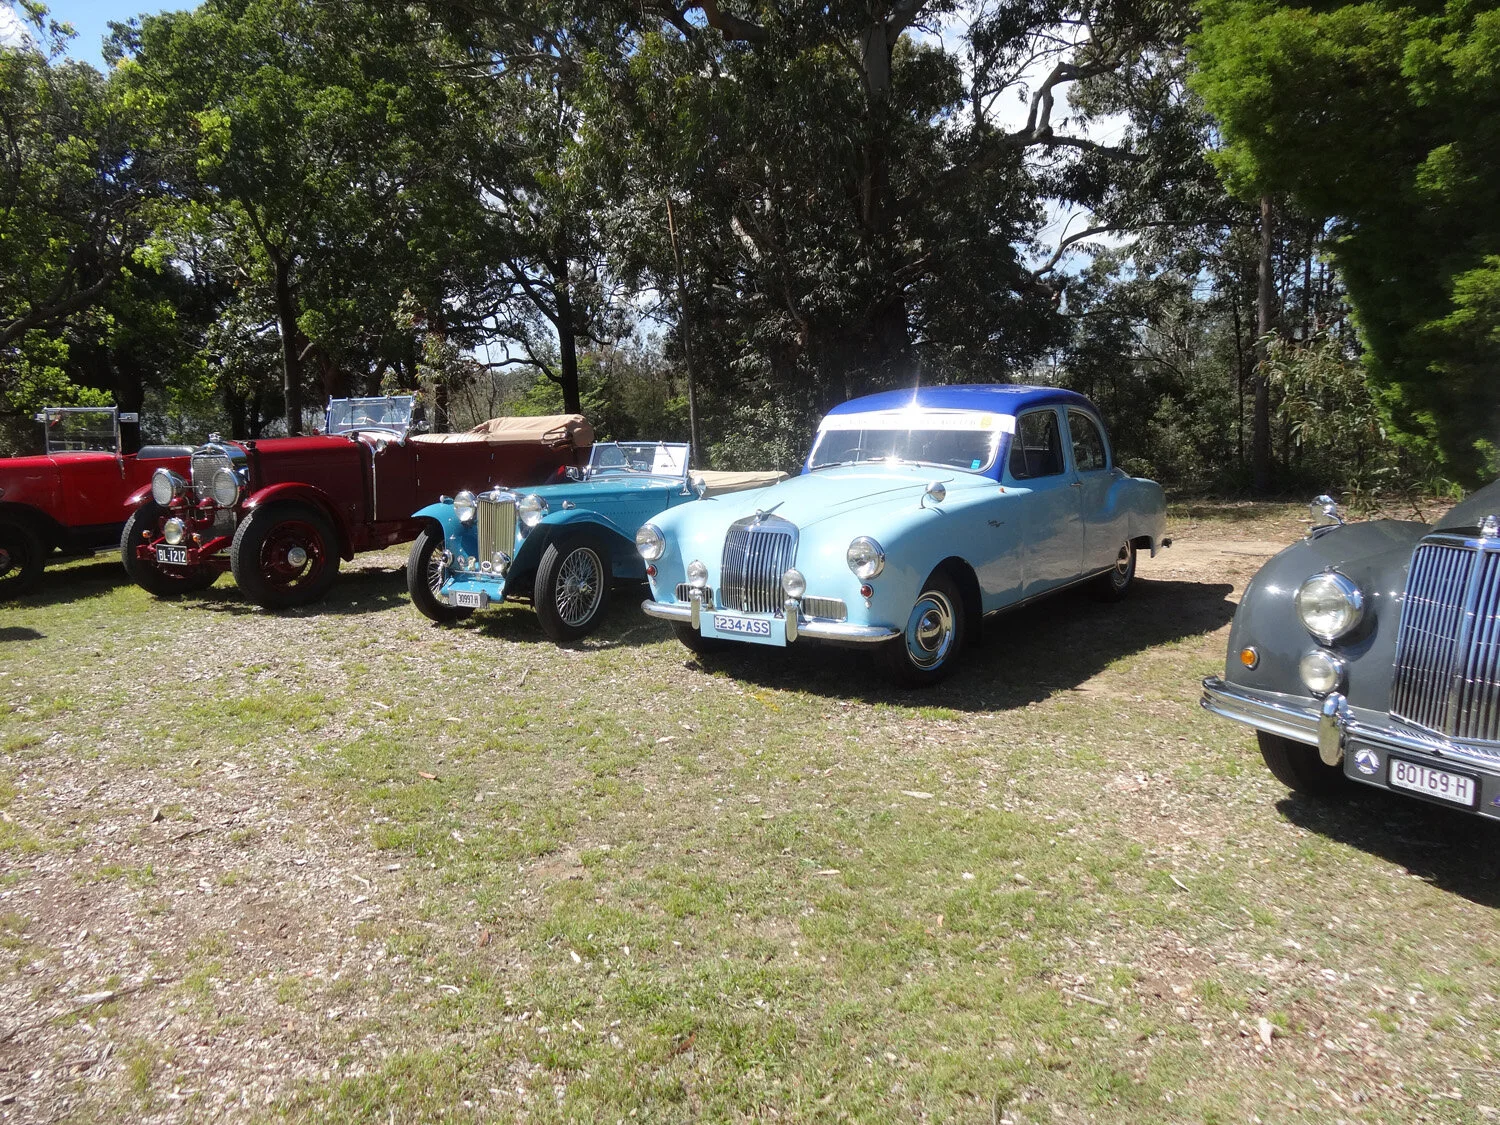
point(587, 492)
point(827, 494)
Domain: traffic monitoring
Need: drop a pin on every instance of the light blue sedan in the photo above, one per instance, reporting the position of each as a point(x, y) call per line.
point(917, 514)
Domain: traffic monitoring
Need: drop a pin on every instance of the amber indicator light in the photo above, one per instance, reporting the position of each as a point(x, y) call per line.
point(1249, 657)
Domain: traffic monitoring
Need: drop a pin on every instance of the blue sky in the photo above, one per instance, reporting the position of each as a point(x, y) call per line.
point(90, 18)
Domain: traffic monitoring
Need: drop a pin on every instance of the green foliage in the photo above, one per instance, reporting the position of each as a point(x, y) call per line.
point(1385, 117)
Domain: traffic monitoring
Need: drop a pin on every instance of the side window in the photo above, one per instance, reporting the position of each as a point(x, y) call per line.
point(1036, 449)
point(1088, 443)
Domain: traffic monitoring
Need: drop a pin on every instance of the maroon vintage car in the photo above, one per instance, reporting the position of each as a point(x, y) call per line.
point(74, 498)
point(281, 512)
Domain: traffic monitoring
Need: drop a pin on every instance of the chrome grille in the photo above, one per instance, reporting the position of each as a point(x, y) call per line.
point(685, 594)
point(1447, 676)
point(830, 609)
point(497, 525)
point(204, 465)
point(757, 552)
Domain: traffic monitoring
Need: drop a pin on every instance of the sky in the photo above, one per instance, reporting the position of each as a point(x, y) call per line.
point(90, 19)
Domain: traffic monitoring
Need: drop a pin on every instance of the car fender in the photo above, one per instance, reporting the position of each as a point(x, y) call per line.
point(1145, 507)
point(445, 516)
point(46, 528)
point(624, 560)
point(138, 497)
point(307, 494)
point(1375, 555)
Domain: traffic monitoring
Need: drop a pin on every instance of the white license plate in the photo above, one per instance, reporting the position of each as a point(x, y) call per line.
point(469, 599)
point(173, 556)
point(748, 626)
point(1445, 786)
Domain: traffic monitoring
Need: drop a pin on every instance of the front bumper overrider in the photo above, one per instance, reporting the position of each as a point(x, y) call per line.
point(791, 621)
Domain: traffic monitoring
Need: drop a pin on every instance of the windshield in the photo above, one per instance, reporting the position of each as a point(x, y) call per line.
point(77, 429)
point(959, 440)
point(391, 414)
point(653, 458)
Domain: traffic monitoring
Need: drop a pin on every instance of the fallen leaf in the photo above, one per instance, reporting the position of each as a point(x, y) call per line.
point(1266, 1029)
point(484, 939)
point(577, 960)
point(428, 776)
point(917, 793)
point(156, 814)
point(827, 871)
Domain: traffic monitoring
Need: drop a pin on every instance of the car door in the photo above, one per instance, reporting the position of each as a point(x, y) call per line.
point(1050, 509)
point(1102, 523)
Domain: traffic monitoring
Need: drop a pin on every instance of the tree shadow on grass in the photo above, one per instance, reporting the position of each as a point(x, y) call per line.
point(1027, 655)
point(363, 589)
point(20, 633)
point(623, 626)
point(70, 580)
point(1451, 849)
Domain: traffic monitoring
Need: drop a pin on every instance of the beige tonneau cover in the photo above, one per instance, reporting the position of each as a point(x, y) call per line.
point(551, 430)
point(719, 483)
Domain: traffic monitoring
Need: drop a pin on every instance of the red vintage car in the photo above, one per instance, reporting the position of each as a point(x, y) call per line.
point(281, 512)
point(74, 498)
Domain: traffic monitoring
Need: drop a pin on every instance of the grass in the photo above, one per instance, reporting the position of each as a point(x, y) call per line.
point(462, 874)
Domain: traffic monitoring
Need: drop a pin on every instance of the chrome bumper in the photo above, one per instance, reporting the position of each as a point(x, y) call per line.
point(1332, 724)
point(691, 614)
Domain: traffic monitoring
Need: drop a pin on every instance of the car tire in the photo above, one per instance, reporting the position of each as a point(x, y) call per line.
point(284, 555)
point(153, 579)
point(23, 557)
point(932, 638)
point(696, 643)
point(424, 569)
point(1298, 767)
point(1115, 583)
point(572, 588)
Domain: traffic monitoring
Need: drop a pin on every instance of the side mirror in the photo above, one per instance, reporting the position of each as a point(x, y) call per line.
point(699, 486)
point(936, 492)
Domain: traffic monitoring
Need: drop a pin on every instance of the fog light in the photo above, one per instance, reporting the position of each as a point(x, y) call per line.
point(794, 582)
point(174, 531)
point(1321, 672)
point(697, 574)
point(1249, 657)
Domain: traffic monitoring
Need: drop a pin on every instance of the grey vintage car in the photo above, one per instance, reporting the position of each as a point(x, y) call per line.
point(1371, 652)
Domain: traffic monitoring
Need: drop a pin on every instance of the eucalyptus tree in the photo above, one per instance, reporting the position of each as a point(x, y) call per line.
point(320, 149)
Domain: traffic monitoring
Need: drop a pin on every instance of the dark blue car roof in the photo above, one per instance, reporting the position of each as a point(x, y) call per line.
point(1001, 398)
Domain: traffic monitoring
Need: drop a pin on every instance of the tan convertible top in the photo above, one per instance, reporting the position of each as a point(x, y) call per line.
point(551, 430)
point(718, 483)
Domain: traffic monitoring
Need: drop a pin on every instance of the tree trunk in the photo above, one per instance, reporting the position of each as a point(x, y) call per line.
point(567, 344)
point(1260, 430)
point(291, 363)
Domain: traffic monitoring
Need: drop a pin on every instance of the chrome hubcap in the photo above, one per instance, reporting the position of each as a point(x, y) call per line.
point(580, 582)
point(296, 557)
point(929, 630)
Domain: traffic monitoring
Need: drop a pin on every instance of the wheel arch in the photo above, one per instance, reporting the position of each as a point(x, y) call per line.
point(300, 493)
point(43, 526)
point(963, 576)
point(619, 545)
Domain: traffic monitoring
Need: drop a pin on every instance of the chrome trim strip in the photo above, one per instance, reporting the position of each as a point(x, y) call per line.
point(1302, 725)
point(819, 630)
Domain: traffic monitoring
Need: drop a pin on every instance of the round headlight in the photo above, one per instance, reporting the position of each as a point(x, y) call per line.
point(794, 582)
point(531, 509)
point(174, 531)
point(650, 543)
point(1321, 672)
point(697, 573)
point(165, 486)
point(1330, 606)
point(464, 506)
point(865, 558)
point(226, 488)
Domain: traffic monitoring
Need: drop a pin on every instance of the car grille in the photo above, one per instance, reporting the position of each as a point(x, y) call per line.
point(684, 593)
point(203, 467)
point(497, 525)
point(757, 552)
point(1448, 651)
point(830, 609)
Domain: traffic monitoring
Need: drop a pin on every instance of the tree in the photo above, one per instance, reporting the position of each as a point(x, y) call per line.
point(1386, 118)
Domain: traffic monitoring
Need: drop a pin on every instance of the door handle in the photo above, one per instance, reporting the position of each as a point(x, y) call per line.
point(1076, 484)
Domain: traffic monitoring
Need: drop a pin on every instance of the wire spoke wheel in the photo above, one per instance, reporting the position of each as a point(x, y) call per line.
point(572, 586)
point(577, 589)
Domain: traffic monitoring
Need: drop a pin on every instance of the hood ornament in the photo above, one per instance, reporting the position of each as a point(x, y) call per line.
point(760, 516)
point(1489, 527)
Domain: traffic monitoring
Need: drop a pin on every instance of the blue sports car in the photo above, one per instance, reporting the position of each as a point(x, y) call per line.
point(560, 545)
point(916, 514)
